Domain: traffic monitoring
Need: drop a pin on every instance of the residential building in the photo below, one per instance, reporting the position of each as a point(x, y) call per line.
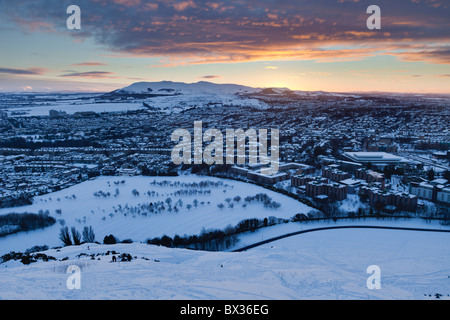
point(423, 190)
point(319, 187)
point(334, 174)
point(401, 200)
point(443, 195)
point(370, 176)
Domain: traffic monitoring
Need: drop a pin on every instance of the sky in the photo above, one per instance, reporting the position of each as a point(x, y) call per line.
point(299, 44)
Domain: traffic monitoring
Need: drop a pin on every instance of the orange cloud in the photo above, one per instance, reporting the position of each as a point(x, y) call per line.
point(228, 31)
point(183, 5)
point(88, 64)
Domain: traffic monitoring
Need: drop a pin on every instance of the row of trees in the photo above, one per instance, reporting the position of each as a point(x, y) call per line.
point(16, 222)
point(153, 208)
point(259, 198)
point(214, 239)
point(189, 185)
point(21, 200)
point(210, 240)
point(136, 193)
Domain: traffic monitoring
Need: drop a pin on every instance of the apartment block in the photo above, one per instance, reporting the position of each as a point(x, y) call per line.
point(334, 174)
point(370, 176)
point(401, 200)
point(334, 191)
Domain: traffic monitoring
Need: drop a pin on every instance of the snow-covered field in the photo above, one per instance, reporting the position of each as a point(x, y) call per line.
point(329, 264)
point(179, 103)
point(117, 211)
point(73, 108)
point(171, 97)
point(323, 265)
point(173, 104)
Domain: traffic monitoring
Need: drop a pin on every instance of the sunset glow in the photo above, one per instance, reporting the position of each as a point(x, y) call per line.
point(303, 45)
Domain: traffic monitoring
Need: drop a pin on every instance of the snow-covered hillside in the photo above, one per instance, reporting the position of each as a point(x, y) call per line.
point(327, 264)
point(138, 208)
point(322, 265)
point(165, 96)
point(174, 88)
point(168, 96)
point(43, 110)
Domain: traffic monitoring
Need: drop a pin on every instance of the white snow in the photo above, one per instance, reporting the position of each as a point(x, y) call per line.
point(170, 88)
point(43, 110)
point(328, 264)
point(118, 215)
point(189, 95)
point(323, 265)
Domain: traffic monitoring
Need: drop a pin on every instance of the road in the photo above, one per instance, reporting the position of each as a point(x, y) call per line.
point(257, 244)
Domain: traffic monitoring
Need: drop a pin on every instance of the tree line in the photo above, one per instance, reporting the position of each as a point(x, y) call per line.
point(17, 222)
point(214, 239)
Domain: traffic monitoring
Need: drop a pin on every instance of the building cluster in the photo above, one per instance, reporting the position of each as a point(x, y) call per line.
point(389, 199)
point(25, 173)
point(335, 184)
point(286, 171)
point(322, 189)
point(333, 173)
point(437, 190)
point(371, 176)
point(335, 181)
point(44, 153)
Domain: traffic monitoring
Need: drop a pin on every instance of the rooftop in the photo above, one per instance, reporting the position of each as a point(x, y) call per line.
point(374, 157)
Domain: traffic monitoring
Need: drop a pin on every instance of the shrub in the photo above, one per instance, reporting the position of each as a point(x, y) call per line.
point(166, 241)
point(26, 258)
point(125, 257)
point(37, 249)
point(110, 239)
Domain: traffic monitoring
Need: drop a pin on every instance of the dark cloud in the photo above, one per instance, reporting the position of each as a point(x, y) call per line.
point(437, 55)
point(207, 31)
point(210, 77)
point(29, 71)
point(90, 74)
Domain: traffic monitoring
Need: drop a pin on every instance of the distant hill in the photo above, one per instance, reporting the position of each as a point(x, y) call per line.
point(185, 95)
point(169, 88)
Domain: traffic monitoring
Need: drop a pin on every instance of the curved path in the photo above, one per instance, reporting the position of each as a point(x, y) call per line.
point(257, 244)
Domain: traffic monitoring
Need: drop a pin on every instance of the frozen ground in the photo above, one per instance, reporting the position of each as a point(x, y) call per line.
point(327, 264)
point(124, 215)
point(249, 238)
point(322, 265)
point(73, 108)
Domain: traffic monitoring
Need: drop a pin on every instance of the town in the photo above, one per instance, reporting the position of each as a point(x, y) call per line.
point(214, 152)
point(346, 154)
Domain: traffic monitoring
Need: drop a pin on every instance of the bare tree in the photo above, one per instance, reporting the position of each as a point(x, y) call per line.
point(76, 236)
point(64, 236)
point(88, 234)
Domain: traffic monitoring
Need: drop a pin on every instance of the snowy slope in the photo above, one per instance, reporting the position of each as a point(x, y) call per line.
point(168, 96)
point(172, 88)
point(327, 264)
point(73, 108)
point(123, 215)
point(322, 265)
